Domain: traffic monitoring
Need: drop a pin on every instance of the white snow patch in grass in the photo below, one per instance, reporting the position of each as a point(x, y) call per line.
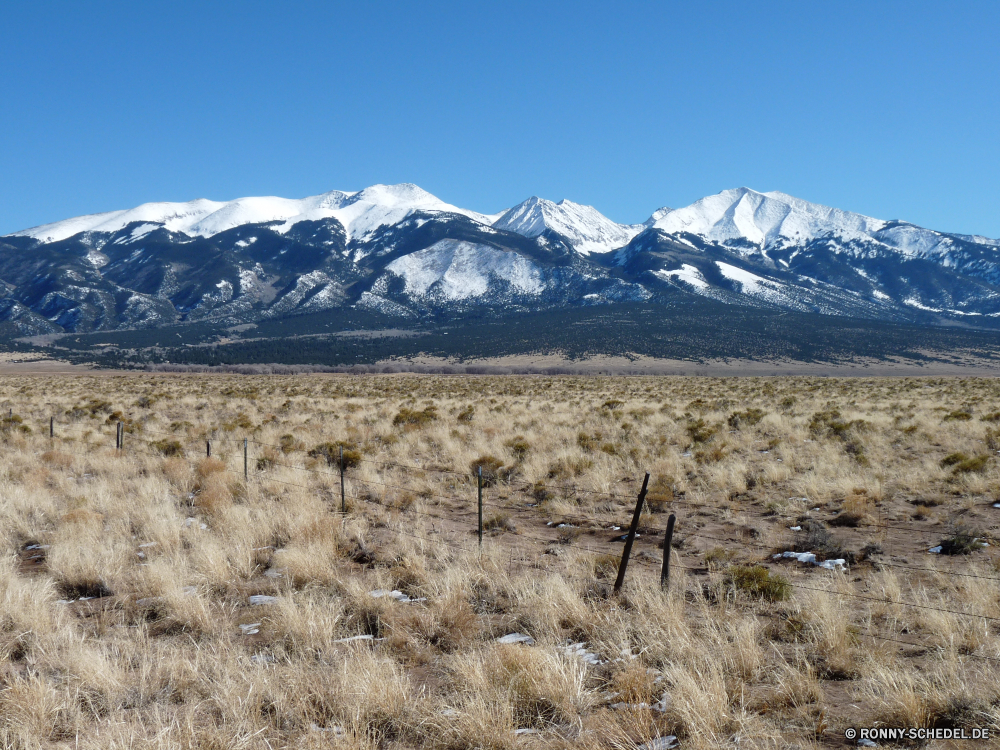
point(810, 558)
point(510, 638)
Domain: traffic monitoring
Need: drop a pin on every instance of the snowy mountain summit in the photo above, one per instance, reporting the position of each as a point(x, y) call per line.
point(586, 229)
point(401, 252)
point(360, 213)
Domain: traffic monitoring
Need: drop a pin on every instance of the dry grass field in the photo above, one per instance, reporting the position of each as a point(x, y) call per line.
point(153, 597)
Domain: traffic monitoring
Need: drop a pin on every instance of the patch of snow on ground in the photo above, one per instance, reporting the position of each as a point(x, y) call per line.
point(810, 558)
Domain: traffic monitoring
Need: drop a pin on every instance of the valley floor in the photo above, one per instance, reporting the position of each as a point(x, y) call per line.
point(154, 596)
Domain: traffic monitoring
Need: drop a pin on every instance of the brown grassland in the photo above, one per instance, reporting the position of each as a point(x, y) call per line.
point(126, 617)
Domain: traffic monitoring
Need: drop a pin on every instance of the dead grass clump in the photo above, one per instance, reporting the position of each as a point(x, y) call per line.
point(539, 687)
point(267, 459)
point(499, 523)
point(605, 566)
point(855, 511)
point(57, 459)
point(207, 467)
point(214, 494)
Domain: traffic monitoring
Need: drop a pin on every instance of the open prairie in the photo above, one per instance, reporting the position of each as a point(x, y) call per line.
point(153, 596)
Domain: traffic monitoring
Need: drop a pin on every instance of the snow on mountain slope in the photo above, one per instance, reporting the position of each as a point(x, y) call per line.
point(764, 219)
point(458, 270)
point(587, 230)
point(361, 213)
point(686, 273)
point(776, 220)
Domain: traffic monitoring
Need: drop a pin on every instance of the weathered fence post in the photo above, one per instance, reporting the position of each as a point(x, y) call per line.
point(480, 476)
point(665, 572)
point(631, 535)
point(52, 427)
point(246, 469)
point(208, 449)
point(118, 436)
point(343, 495)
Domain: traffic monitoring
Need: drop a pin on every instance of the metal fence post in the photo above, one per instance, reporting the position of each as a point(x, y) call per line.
point(343, 495)
point(665, 572)
point(480, 474)
point(631, 535)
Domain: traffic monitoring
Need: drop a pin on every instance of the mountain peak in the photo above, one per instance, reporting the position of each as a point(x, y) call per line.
point(584, 227)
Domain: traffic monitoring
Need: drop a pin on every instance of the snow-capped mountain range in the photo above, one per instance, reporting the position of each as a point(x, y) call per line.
point(402, 252)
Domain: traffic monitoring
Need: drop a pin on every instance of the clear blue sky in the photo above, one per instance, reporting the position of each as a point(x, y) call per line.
point(888, 108)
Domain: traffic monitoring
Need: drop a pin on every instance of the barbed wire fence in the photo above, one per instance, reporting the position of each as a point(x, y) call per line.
point(338, 478)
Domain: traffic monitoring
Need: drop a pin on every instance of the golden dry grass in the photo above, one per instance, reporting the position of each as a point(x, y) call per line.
point(126, 577)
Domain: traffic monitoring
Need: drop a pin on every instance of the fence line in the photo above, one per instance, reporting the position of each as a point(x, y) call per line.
point(125, 445)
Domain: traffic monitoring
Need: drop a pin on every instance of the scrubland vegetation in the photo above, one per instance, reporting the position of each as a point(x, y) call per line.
point(154, 597)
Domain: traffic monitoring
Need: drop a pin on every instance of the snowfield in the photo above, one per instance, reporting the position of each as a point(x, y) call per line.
point(461, 270)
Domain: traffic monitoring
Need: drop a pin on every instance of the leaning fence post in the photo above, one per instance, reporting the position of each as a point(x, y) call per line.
point(343, 496)
point(480, 475)
point(246, 470)
point(665, 572)
point(631, 535)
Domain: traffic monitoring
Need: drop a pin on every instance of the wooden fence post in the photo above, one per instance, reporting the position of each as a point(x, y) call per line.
point(118, 436)
point(208, 449)
point(665, 572)
point(631, 535)
point(246, 470)
point(52, 428)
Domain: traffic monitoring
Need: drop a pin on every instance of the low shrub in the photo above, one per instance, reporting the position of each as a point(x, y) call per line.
point(758, 582)
point(330, 452)
point(959, 415)
point(492, 469)
point(701, 432)
point(740, 419)
point(414, 417)
point(519, 447)
point(975, 464)
point(168, 447)
point(963, 541)
point(499, 523)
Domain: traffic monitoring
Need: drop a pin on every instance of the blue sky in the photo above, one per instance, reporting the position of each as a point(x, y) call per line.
point(890, 109)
